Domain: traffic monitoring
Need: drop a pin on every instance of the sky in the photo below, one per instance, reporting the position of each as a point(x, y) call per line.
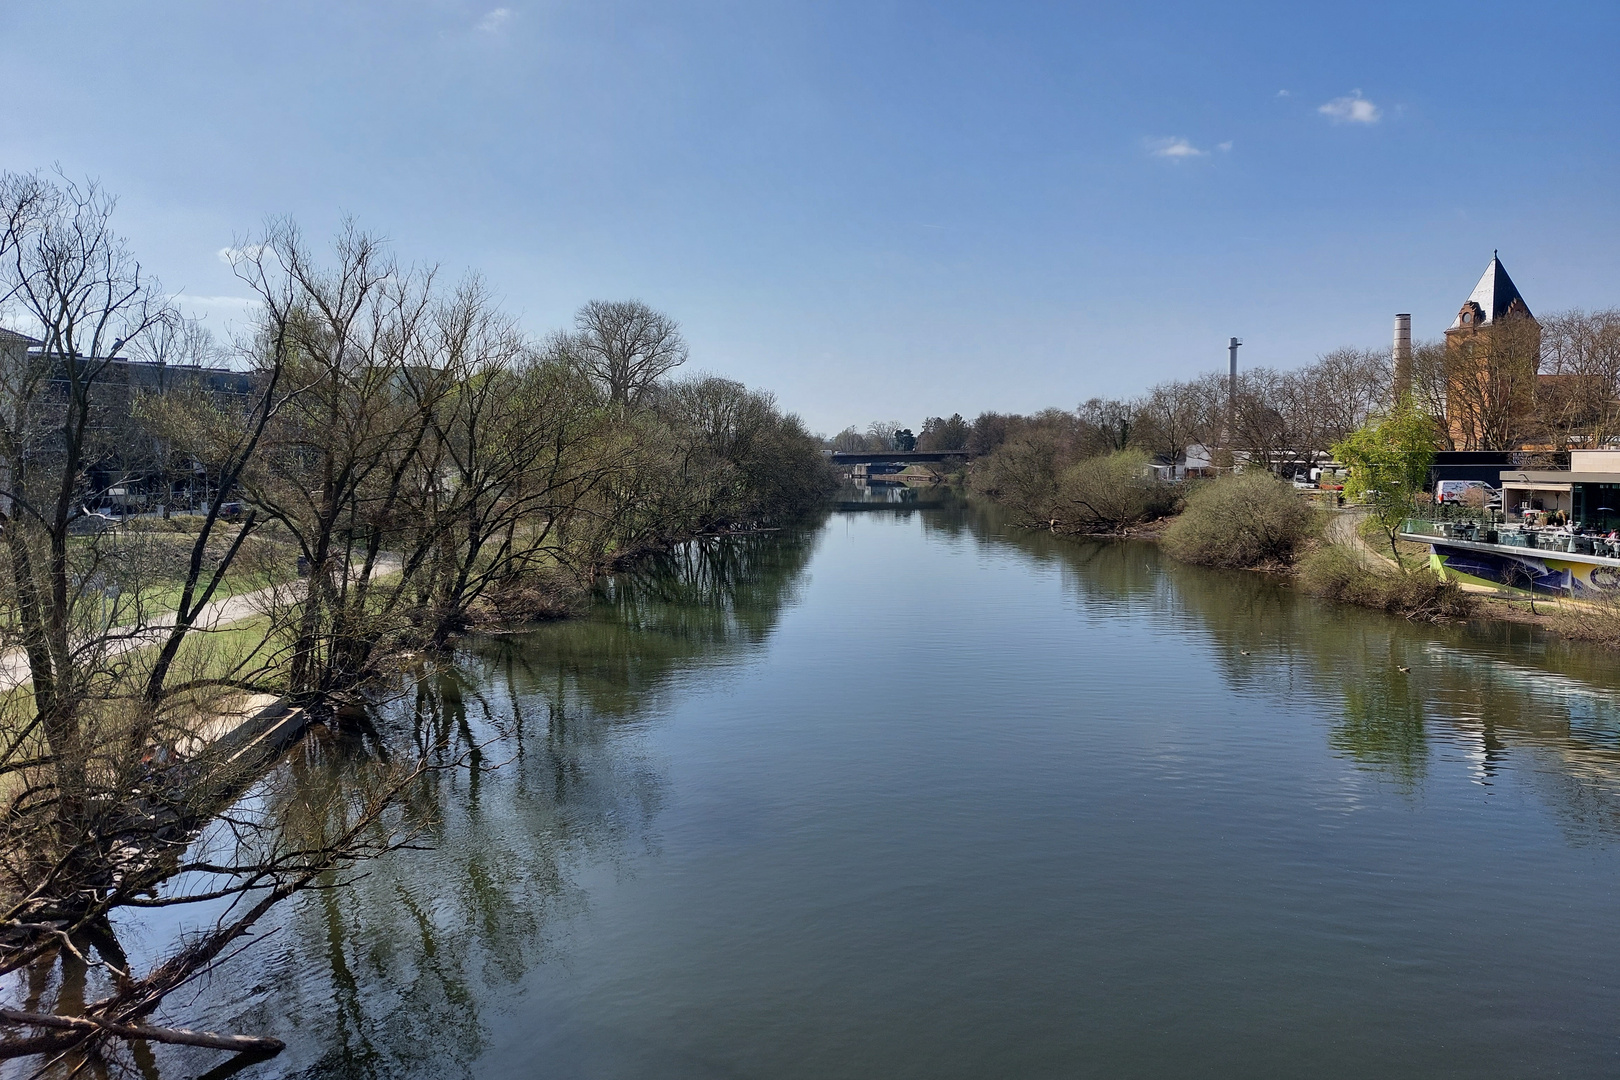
point(874, 209)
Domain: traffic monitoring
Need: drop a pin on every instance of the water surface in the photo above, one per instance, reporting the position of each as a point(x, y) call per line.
point(914, 795)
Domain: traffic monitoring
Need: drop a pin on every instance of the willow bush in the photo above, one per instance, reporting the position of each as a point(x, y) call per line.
point(1108, 493)
point(1243, 520)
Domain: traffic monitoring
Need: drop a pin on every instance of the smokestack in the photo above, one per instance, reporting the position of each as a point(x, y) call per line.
point(1402, 354)
point(1231, 391)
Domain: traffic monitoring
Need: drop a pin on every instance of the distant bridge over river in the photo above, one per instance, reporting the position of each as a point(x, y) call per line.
point(896, 457)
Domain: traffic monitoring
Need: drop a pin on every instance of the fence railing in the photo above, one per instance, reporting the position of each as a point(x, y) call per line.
point(1553, 541)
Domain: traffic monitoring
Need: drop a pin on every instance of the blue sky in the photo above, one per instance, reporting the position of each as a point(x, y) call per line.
point(875, 209)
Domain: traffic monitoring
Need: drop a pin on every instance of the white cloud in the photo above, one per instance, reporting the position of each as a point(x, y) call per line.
point(495, 21)
point(1351, 109)
point(1285, 93)
point(218, 303)
point(1224, 147)
point(229, 255)
point(225, 315)
point(1175, 148)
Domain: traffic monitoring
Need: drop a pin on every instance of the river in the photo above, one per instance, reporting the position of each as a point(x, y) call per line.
point(918, 795)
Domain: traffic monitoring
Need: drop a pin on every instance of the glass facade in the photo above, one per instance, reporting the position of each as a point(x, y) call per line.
point(1597, 506)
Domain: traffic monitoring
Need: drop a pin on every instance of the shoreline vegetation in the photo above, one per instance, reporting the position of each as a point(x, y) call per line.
point(1100, 471)
point(1256, 522)
point(376, 462)
point(1331, 571)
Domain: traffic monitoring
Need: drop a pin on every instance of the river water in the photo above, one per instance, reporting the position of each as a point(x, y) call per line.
point(917, 795)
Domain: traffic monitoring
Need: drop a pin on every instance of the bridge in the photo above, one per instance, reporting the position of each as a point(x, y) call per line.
point(895, 457)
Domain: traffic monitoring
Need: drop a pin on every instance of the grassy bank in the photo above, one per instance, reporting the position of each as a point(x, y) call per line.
point(1251, 521)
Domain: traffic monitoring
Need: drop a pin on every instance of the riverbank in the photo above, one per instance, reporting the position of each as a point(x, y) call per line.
point(1560, 617)
point(798, 801)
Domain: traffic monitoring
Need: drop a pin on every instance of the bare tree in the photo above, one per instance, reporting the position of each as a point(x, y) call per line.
point(1430, 373)
point(82, 295)
point(881, 434)
point(1108, 424)
point(1173, 417)
point(1490, 384)
point(518, 444)
point(335, 466)
point(849, 441)
point(1348, 386)
point(1578, 390)
point(625, 346)
point(1267, 418)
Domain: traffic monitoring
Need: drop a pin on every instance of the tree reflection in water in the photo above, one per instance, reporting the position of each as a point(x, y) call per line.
point(400, 974)
point(388, 976)
point(1497, 695)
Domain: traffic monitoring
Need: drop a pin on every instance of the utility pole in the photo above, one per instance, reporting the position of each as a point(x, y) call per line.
point(1231, 392)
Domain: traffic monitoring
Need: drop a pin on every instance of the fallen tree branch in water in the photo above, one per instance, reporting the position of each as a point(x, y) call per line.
point(178, 1036)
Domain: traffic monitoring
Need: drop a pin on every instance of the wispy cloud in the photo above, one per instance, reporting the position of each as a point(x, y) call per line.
point(1285, 93)
point(225, 314)
point(1225, 147)
point(495, 21)
point(1175, 148)
point(218, 303)
point(1351, 109)
point(230, 255)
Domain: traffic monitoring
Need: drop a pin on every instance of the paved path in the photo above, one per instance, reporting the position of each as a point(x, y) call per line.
point(216, 615)
point(14, 670)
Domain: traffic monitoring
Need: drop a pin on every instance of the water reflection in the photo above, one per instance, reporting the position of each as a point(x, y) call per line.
point(1487, 692)
point(392, 975)
point(703, 605)
point(859, 496)
point(410, 972)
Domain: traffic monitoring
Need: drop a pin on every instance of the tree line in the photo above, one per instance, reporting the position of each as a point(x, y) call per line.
point(1550, 386)
point(1553, 384)
point(1277, 414)
point(381, 459)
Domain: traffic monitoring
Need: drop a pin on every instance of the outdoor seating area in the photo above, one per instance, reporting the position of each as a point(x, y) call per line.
point(1570, 539)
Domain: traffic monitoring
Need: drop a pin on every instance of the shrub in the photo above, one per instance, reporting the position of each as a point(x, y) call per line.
point(1243, 520)
point(1107, 493)
point(1023, 475)
point(1593, 619)
point(1337, 573)
point(533, 596)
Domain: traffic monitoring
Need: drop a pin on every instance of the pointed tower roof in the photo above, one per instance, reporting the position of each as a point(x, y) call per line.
point(1494, 294)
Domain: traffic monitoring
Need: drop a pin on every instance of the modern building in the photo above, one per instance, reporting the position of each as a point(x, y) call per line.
point(131, 468)
point(1555, 536)
point(1588, 492)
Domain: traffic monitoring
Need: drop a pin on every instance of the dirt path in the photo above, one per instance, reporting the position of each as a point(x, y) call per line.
point(1344, 529)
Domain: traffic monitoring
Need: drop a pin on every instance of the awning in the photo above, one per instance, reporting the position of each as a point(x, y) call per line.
point(1542, 478)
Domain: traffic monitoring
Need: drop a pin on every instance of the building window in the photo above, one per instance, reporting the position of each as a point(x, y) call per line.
point(1597, 506)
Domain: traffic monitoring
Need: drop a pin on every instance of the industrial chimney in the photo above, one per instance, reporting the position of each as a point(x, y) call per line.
point(1402, 354)
point(1231, 391)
